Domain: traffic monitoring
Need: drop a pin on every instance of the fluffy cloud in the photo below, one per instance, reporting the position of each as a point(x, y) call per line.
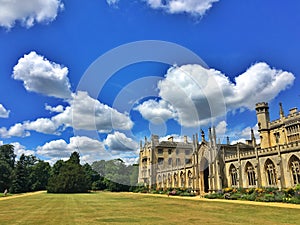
point(17, 130)
point(84, 113)
point(28, 12)
point(4, 113)
point(245, 134)
point(160, 110)
point(221, 128)
point(193, 7)
point(119, 142)
point(41, 125)
point(56, 109)
point(21, 149)
point(91, 114)
point(42, 76)
point(198, 94)
point(176, 138)
point(90, 149)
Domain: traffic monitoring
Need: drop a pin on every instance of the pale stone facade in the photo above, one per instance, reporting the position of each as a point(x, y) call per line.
point(208, 166)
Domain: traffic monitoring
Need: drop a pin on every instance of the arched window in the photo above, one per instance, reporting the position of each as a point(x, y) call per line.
point(175, 179)
point(169, 180)
point(159, 181)
point(164, 180)
point(182, 179)
point(294, 166)
point(250, 174)
point(271, 173)
point(233, 174)
point(190, 175)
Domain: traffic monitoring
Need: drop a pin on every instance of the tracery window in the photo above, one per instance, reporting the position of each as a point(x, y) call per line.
point(182, 179)
point(271, 173)
point(295, 169)
point(169, 180)
point(159, 181)
point(250, 174)
point(190, 175)
point(164, 180)
point(233, 175)
point(175, 179)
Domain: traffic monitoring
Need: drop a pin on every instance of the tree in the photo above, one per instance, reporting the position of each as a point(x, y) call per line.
point(69, 177)
point(7, 161)
point(20, 177)
point(39, 175)
point(7, 154)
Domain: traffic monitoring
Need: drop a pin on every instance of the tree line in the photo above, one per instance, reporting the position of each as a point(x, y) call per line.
point(32, 174)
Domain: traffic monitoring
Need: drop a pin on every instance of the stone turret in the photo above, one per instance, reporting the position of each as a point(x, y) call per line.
point(263, 120)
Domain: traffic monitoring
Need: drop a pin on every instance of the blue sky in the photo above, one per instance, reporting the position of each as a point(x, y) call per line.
point(251, 50)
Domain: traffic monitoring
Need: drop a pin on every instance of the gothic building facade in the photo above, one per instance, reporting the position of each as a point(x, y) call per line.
point(208, 166)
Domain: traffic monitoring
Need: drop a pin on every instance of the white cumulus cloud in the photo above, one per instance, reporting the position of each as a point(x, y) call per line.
point(160, 110)
point(42, 76)
point(245, 134)
point(193, 7)
point(57, 109)
point(28, 12)
point(83, 113)
point(4, 113)
point(17, 130)
point(90, 114)
point(198, 94)
point(20, 149)
point(120, 142)
point(90, 149)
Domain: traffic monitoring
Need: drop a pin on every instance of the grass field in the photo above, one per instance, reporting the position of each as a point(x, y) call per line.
point(129, 208)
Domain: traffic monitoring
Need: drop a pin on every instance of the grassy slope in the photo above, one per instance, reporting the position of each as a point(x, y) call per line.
point(118, 208)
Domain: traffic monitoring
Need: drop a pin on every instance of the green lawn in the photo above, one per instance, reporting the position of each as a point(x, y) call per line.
point(119, 208)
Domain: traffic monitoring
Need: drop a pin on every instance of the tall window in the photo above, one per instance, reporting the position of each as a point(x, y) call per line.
point(271, 173)
point(175, 179)
point(159, 181)
point(250, 174)
point(165, 180)
point(177, 161)
point(160, 161)
point(190, 175)
point(234, 175)
point(160, 151)
point(169, 180)
point(182, 179)
point(295, 169)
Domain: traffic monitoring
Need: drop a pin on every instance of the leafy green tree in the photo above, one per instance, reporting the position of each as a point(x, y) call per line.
point(20, 177)
point(39, 175)
point(5, 175)
point(69, 177)
point(7, 154)
point(7, 161)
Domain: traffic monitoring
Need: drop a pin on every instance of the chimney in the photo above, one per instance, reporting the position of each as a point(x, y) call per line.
point(171, 139)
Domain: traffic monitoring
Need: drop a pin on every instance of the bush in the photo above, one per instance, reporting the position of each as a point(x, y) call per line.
point(235, 196)
point(214, 196)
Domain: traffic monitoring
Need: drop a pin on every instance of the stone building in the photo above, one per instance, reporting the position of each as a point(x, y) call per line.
point(207, 166)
